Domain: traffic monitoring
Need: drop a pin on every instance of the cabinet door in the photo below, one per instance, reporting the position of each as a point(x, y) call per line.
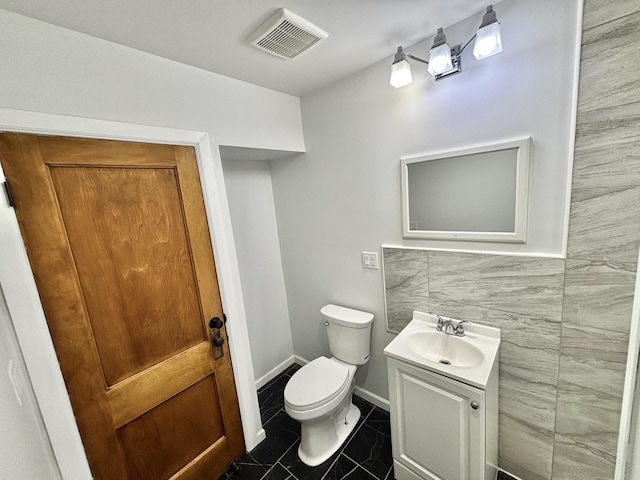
point(437, 433)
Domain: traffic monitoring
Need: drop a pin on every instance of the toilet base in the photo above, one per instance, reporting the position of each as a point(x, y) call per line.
point(321, 440)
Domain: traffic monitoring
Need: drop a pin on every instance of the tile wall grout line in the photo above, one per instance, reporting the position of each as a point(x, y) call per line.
point(562, 340)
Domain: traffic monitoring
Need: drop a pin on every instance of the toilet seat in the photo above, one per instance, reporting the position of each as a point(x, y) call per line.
point(315, 384)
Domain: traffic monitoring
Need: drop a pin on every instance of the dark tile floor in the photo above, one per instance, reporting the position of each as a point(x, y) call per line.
point(365, 455)
point(504, 476)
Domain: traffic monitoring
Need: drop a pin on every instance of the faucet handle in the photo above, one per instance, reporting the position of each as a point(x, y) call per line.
point(440, 324)
point(459, 329)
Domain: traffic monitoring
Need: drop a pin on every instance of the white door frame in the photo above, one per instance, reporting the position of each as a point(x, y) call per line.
point(630, 392)
point(26, 310)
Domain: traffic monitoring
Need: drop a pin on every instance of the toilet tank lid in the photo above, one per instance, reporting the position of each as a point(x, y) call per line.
point(346, 316)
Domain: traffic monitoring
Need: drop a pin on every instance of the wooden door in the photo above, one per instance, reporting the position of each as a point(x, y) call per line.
point(118, 241)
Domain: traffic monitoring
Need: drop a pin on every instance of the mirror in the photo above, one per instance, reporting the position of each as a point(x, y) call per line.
point(477, 194)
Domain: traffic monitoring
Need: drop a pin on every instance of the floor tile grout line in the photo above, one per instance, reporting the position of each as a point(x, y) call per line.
point(291, 475)
point(276, 378)
point(277, 461)
point(376, 430)
point(266, 386)
point(336, 461)
point(271, 468)
point(281, 409)
point(271, 382)
point(363, 467)
point(331, 466)
point(379, 431)
point(348, 440)
point(272, 416)
point(390, 469)
point(274, 466)
point(282, 456)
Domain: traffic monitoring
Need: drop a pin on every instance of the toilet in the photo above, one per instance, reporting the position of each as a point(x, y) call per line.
point(319, 394)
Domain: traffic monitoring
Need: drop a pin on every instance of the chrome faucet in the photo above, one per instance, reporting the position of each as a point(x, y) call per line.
point(447, 326)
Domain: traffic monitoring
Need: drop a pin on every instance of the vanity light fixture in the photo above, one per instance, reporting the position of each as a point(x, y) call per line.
point(488, 38)
point(440, 60)
point(444, 60)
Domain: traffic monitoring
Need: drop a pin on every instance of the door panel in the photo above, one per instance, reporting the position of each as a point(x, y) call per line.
point(139, 393)
point(132, 231)
point(163, 440)
point(119, 244)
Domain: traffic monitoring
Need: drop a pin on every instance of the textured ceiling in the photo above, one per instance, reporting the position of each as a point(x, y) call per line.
point(210, 34)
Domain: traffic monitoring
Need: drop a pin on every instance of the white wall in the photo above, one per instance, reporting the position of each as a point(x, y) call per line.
point(343, 195)
point(50, 69)
point(25, 451)
point(255, 233)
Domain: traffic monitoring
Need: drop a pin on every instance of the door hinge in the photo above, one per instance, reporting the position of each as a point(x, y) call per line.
point(7, 191)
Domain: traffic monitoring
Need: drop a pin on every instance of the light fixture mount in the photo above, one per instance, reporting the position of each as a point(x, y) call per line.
point(445, 61)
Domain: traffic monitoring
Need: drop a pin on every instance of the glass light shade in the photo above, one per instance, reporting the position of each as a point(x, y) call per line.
point(401, 74)
point(439, 60)
point(488, 41)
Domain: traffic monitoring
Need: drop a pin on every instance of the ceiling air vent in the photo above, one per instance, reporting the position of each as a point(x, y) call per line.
point(286, 35)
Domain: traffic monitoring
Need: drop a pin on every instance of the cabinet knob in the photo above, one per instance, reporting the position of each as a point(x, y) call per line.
point(474, 405)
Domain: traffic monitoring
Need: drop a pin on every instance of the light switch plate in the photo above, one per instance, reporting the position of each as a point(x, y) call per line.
point(370, 260)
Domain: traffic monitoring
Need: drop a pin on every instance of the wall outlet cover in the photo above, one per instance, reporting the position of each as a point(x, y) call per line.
point(370, 260)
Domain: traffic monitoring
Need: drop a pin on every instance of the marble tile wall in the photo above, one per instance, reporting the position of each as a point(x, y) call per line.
point(406, 286)
point(520, 295)
point(565, 323)
point(604, 236)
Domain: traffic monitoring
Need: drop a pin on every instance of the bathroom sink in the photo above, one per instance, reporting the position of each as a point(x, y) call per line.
point(445, 349)
point(469, 359)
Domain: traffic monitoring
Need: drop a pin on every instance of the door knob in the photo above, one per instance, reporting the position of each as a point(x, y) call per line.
point(217, 341)
point(215, 322)
point(474, 405)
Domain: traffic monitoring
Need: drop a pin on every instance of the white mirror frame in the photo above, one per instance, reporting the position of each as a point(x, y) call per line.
point(519, 235)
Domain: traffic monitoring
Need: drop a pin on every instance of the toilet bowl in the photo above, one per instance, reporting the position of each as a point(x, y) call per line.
point(319, 395)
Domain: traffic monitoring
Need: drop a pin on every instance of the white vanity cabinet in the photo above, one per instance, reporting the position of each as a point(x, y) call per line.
point(444, 419)
point(437, 424)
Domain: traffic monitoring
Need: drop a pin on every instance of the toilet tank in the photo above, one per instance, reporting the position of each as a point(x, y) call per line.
point(349, 333)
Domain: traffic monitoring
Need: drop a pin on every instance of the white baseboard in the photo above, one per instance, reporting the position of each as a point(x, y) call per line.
point(274, 372)
point(300, 360)
point(371, 397)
